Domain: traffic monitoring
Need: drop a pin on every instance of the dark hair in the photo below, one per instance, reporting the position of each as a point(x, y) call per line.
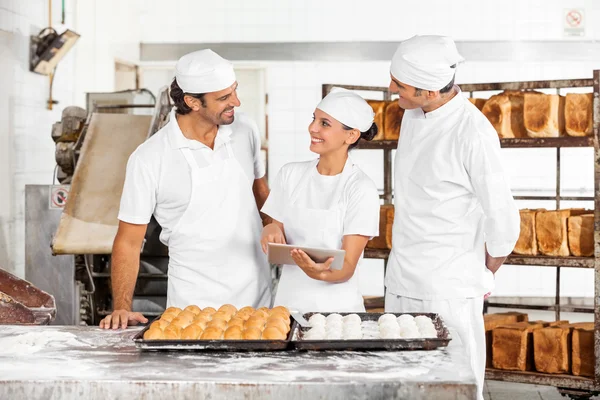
point(445, 89)
point(177, 95)
point(367, 135)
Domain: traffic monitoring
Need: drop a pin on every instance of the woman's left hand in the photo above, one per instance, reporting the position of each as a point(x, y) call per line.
point(312, 269)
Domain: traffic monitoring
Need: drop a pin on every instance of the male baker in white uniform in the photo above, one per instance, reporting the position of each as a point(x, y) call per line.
point(203, 179)
point(456, 219)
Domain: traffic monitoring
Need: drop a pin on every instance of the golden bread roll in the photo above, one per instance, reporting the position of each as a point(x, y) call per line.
point(212, 333)
point(236, 322)
point(255, 323)
point(246, 309)
point(168, 317)
point(202, 318)
point(233, 333)
point(228, 308)
point(252, 334)
point(160, 324)
point(172, 332)
point(244, 315)
point(192, 332)
point(280, 316)
point(217, 323)
point(272, 333)
point(181, 322)
point(186, 315)
point(193, 309)
point(224, 315)
point(260, 313)
point(209, 310)
point(279, 324)
point(153, 333)
point(200, 324)
point(279, 309)
point(175, 310)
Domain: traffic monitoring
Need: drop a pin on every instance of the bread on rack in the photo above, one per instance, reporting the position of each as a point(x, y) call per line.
point(583, 359)
point(512, 346)
point(492, 321)
point(498, 111)
point(579, 114)
point(386, 222)
point(479, 103)
point(552, 349)
point(517, 103)
point(527, 243)
point(393, 120)
point(378, 107)
point(581, 235)
point(552, 233)
point(544, 115)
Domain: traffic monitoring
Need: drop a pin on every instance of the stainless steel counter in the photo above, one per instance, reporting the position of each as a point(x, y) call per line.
point(68, 362)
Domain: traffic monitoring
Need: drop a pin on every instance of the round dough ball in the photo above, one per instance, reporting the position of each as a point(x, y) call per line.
point(233, 333)
point(278, 324)
point(317, 320)
point(193, 309)
point(212, 333)
point(217, 323)
point(352, 319)
point(317, 333)
point(154, 333)
point(386, 318)
point(224, 315)
point(235, 321)
point(252, 334)
point(160, 324)
point(228, 308)
point(389, 332)
point(391, 324)
point(257, 323)
point(352, 334)
point(172, 332)
point(423, 320)
point(334, 317)
point(334, 326)
point(272, 333)
point(409, 332)
point(182, 323)
point(209, 310)
point(429, 333)
point(333, 335)
point(192, 332)
point(405, 319)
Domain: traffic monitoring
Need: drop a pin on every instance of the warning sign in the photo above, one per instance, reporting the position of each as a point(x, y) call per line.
point(58, 196)
point(574, 22)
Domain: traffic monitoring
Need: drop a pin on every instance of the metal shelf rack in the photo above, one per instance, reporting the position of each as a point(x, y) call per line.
point(577, 387)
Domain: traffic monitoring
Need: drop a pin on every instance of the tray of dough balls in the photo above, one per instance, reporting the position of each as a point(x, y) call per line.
point(371, 331)
point(223, 329)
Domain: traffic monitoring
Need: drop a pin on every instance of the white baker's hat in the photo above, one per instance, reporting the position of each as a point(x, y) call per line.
point(348, 108)
point(204, 71)
point(425, 62)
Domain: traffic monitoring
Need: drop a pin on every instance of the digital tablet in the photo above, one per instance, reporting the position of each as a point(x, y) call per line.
point(280, 254)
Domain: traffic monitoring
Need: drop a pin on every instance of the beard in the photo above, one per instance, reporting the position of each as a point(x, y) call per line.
point(225, 119)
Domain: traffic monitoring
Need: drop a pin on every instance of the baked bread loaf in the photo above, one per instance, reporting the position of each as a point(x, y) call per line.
point(479, 103)
point(386, 223)
point(583, 350)
point(512, 346)
point(378, 107)
point(392, 120)
point(544, 115)
point(552, 233)
point(578, 114)
point(498, 111)
point(552, 349)
point(527, 243)
point(492, 321)
point(581, 235)
point(517, 103)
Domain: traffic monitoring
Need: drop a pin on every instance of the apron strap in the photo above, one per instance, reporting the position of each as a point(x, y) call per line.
point(189, 157)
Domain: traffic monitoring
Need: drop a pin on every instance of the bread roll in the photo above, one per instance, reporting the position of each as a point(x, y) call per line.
point(244, 315)
point(386, 222)
point(581, 235)
point(160, 324)
point(209, 311)
point(193, 309)
point(246, 309)
point(182, 323)
point(552, 233)
point(192, 332)
point(168, 317)
point(187, 315)
point(172, 332)
point(202, 318)
point(233, 333)
point(272, 333)
point(393, 120)
point(224, 315)
point(201, 324)
point(378, 107)
point(154, 333)
point(251, 334)
point(279, 324)
point(228, 308)
point(175, 310)
point(212, 333)
point(578, 114)
point(235, 321)
point(498, 111)
point(218, 323)
point(261, 313)
point(527, 243)
point(279, 309)
point(544, 115)
point(255, 323)
point(479, 103)
point(285, 318)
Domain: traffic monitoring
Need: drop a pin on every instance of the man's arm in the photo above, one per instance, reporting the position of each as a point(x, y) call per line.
point(125, 265)
point(260, 188)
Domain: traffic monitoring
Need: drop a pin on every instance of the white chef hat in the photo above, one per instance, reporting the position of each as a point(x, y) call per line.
point(204, 71)
point(348, 108)
point(425, 62)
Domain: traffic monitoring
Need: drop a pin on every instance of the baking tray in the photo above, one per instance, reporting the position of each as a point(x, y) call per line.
point(375, 344)
point(212, 345)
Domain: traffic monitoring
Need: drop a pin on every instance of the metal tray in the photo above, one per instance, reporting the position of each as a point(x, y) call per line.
point(212, 345)
point(375, 344)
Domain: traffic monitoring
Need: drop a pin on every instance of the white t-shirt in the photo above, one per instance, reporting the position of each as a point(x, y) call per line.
point(360, 197)
point(158, 179)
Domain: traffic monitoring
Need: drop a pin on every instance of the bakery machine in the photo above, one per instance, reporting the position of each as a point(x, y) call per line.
point(70, 225)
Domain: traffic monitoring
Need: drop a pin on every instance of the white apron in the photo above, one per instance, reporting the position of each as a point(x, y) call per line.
point(215, 255)
point(316, 228)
